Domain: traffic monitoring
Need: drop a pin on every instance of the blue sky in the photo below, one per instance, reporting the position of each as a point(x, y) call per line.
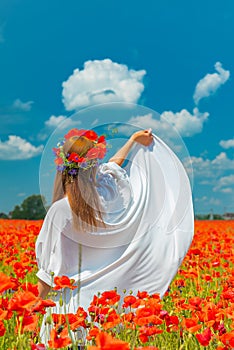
point(174, 57)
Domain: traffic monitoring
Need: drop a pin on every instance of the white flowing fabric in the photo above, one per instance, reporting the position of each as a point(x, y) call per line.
point(150, 225)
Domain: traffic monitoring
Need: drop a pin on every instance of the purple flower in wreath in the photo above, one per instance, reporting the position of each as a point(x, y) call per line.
point(61, 167)
point(83, 165)
point(73, 172)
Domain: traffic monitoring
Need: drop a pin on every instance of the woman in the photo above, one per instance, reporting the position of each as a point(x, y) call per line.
point(110, 226)
point(78, 185)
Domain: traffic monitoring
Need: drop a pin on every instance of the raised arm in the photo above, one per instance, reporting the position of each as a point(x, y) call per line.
point(144, 137)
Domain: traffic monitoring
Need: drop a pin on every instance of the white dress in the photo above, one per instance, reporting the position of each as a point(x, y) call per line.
point(150, 224)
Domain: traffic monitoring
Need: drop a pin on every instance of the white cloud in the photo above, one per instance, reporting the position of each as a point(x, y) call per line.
point(207, 168)
point(142, 121)
point(205, 182)
point(201, 199)
point(210, 83)
point(224, 183)
point(42, 135)
point(24, 106)
point(185, 123)
point(227, 143)
point(215, 175)
point(159, 126)
point(222, 162)
point(226, 190)
point(54, 122)
point(215, 201)
point(17, 148)
point(207, 203)
point(60, 121)
point(102, 81)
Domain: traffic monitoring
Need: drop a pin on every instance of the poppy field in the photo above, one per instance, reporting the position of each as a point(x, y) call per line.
point(197, 311)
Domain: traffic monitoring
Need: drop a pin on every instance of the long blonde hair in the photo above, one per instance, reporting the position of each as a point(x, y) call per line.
point(80, 189)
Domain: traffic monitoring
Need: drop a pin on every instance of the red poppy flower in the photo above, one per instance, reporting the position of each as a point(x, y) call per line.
point(110, 297)
point(93, 333)
point(75, 320)
point(229, 294)
point(3, 314)
point(63, 282)
point(42, 304)
point(29, 323)
point(195, 303)
point(101, 149)
point(56, 151)
point(6, 282)
point(156, 296)
point(228, 339)
point(111, 320)
point(128, 318)
point(142, 295)
point(172, 323)
point(74, 157)
point(91, 135)
point(58, 319)
point(147, 315)
point(58, 161)
point(81, 312)
point(129, 300)
point(102, 139)
point(191, 324)
point(60, 340)
point(38, 347)
point(30, 287)
point(148, 331)
point(2, 329)
point(205, 337)
point(104, 341)
point(93, 153)
point(74, 132)
point(22, 301)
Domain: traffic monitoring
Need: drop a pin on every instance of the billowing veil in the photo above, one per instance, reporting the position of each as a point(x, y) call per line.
point(150, 223)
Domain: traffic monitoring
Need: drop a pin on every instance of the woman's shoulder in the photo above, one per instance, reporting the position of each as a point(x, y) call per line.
point(57, 217)
point(59, 208)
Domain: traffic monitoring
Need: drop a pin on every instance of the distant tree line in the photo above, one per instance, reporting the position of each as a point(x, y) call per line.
point(32, 208)
point(208, 217)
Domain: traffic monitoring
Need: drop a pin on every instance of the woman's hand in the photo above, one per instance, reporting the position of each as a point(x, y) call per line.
point(144, 137)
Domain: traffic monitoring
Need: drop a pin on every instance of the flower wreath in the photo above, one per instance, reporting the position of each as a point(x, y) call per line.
point(71, 162)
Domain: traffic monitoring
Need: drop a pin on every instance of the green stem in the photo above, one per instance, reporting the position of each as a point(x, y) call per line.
point(79, 274)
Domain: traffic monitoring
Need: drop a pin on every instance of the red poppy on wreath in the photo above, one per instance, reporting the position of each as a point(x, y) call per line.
point(74, 132)
point(91, 135)
point(102, 150)
point(58, 161)
point(74, 157)
point(102, 139)
point(56, 151)
point(93, 153)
